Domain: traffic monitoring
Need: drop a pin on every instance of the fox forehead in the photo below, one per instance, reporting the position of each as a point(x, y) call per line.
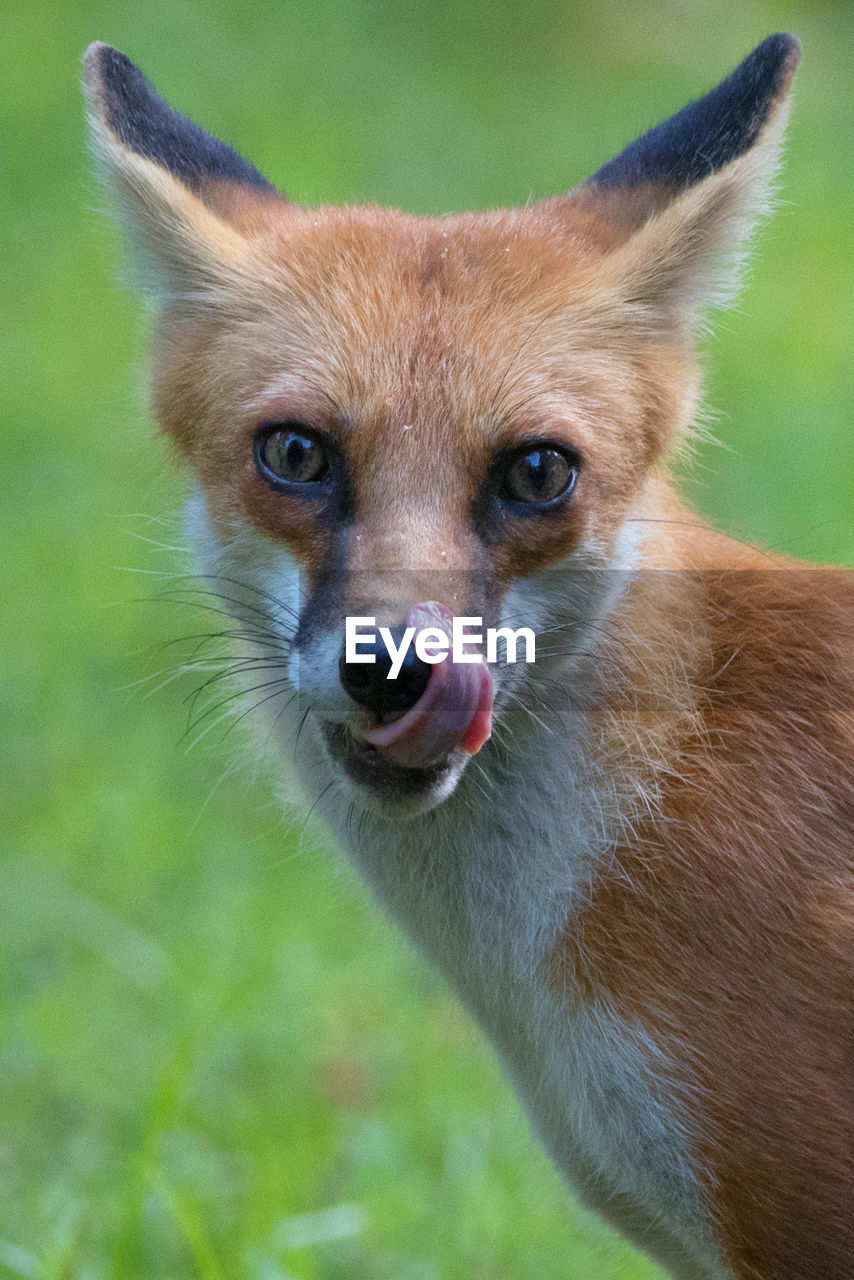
point(477, 330)
point(373, 302)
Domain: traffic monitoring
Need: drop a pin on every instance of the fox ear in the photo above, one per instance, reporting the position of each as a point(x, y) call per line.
point(190, 203)
point(676, 206)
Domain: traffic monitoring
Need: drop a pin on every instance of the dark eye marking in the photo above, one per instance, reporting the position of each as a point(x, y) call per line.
point(290, 456)
point(539, 475)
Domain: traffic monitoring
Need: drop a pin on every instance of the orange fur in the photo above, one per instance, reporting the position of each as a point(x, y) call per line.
point(727, 926)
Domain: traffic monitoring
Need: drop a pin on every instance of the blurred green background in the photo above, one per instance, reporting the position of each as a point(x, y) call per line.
point(215, 1060)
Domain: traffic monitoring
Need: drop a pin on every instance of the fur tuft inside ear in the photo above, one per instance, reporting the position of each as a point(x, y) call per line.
point(190, 203)
point(690, 258)
point(674, 210)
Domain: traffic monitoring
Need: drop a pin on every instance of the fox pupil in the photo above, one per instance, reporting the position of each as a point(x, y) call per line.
point(297, 453)
point(293, 456)
point(539, 476)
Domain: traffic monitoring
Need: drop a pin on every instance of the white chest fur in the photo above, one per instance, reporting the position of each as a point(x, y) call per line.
point(483, 885)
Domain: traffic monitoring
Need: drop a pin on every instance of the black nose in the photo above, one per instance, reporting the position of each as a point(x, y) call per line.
point(368, 683)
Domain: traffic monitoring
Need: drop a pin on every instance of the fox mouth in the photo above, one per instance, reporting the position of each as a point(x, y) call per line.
point(413, 759)
point(385, 783)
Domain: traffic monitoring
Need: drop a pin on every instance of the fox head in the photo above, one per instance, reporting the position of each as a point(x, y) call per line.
point(381, 410)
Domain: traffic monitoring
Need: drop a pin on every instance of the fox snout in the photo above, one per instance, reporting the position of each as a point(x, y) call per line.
point(428, 700)
point(386, 686)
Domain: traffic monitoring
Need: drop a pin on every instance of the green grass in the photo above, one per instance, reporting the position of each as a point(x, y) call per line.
point(215, 1060)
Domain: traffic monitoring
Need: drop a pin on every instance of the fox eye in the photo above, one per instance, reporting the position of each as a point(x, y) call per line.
point(539, 475)
point(290, 455)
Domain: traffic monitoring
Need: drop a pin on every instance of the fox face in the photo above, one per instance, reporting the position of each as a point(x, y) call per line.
point(463, 415)
point(415, 457)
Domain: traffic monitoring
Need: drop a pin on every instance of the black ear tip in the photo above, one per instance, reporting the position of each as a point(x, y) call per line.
point(92, 57)
point(714, 130)
point(100, 61)
point(782, 46)
point(777, 57)
point(99, 50)
point(109, 77)
point(133, 111)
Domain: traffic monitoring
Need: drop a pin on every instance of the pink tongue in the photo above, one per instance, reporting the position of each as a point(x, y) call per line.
point(455, 710)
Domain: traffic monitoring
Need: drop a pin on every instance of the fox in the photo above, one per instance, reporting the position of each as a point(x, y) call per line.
point(631, 858)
